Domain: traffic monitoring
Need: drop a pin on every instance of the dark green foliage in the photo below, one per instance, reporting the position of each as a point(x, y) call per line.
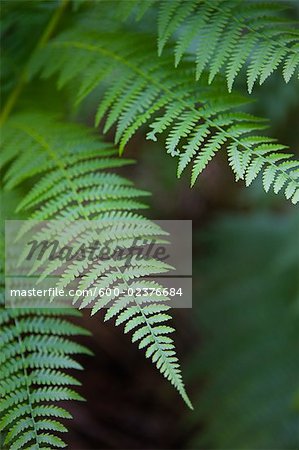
point(248, 311)
point(17, 17)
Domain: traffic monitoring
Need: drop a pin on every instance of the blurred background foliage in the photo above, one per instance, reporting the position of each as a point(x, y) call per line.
point(248, 319)
point(239, 343)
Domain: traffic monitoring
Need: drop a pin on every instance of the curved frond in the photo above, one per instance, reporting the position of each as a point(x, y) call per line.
point(227, 36)
point(198, 120)
point(75, 187)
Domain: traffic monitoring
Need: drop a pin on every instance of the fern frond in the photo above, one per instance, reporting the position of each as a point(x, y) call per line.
point(34, 356)
point(147, 91)
point(74, 186)
point(36, 350)
point(225, 36)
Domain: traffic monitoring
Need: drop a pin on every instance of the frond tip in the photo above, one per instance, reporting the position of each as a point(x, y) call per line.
point(147, 318)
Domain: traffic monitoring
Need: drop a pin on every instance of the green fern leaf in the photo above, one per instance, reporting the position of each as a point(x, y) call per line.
point(206, 154)
point(253, 170)
point(25, 344)
point(258, 36)
point(82, 190)
point(290, 64)
point(149, 92)
point(235, 158)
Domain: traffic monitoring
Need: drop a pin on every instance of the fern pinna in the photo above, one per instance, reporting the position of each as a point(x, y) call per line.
point(226, 35)
point(198, 120)
point(75, 186)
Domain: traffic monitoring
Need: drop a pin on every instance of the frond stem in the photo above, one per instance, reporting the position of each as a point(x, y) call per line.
point(22, 350)
point(44, 144)
point(14, 95)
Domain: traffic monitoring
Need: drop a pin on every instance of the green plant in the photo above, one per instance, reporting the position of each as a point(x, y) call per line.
point(225, 37)
point(199, 119)
point(73, 186)
point(134, 87)
point(37, 349)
